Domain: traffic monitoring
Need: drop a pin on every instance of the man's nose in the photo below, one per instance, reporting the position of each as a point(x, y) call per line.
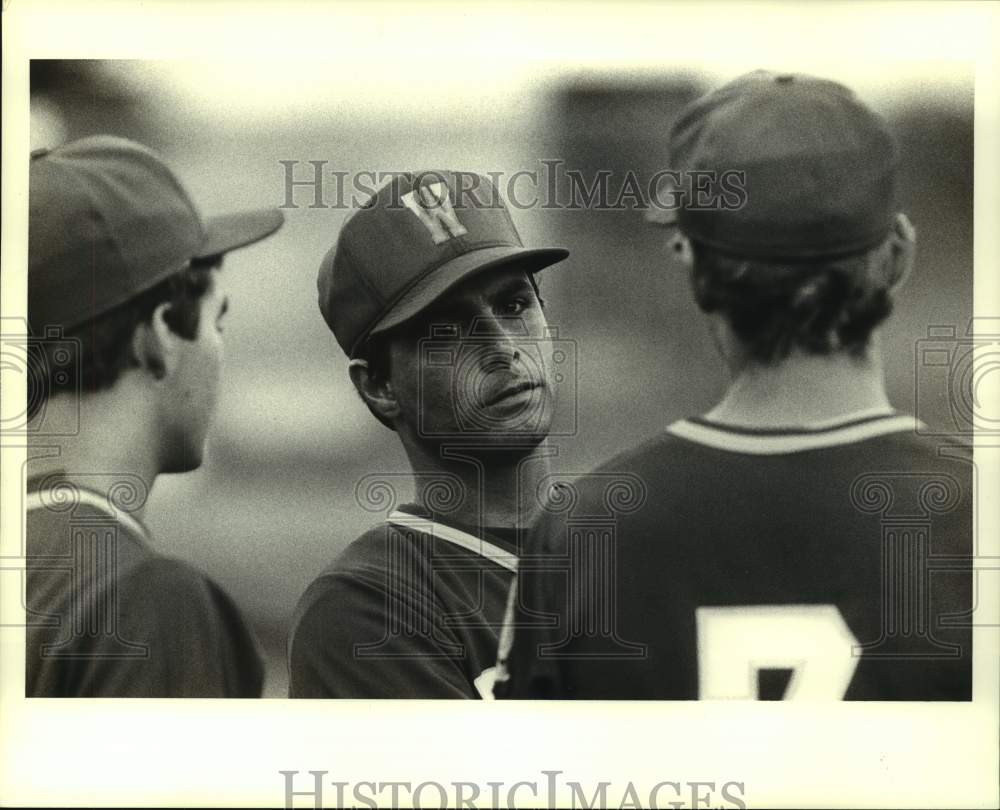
point(503, 333)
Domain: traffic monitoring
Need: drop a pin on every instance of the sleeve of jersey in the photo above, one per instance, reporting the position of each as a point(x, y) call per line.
point(354, 639)
point(535, 623)
point(178, 635)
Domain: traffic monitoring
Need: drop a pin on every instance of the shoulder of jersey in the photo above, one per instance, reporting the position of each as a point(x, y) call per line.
point(649, 449)
point(49, 532)
point(650, 454)
point(368, 554)
point(169, 575)
point(946, 446)
point(366, 561)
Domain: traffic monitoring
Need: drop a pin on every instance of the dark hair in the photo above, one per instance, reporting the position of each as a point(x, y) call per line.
point(376, 351)
point(818, 306)
point(104, 344)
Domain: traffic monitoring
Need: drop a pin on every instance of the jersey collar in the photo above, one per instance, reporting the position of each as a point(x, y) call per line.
point(62, 496)
point(848, 429)
point(477, 545)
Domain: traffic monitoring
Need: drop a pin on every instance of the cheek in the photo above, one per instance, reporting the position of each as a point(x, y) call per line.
point(536, 322)
point(207, 376)
point(417, 370)
point(430, 393)
point(218, 353)
point(215, 365)
point(537, 358)
point(425, 398)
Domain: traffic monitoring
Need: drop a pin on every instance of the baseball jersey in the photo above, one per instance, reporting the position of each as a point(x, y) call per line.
point(411, 609)
point(109, 617)
point(715, 562)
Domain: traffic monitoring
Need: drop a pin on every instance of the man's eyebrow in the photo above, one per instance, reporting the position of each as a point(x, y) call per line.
point(456, 304)
point(512, 285)
point(459, 305)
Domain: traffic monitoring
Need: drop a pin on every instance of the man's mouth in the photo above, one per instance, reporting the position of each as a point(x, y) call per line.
point(509, 392)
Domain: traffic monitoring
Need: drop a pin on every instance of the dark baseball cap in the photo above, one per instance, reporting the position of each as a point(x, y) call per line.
point(819, 168)
point(420, 234)
point(108, 220)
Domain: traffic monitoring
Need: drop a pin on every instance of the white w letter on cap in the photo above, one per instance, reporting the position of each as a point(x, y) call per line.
point(432, 205)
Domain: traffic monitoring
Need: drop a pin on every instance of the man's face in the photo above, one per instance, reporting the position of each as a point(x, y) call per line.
point(477, 365)
point(193, 391)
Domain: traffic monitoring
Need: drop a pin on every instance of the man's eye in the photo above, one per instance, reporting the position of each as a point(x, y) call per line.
point(515, 307)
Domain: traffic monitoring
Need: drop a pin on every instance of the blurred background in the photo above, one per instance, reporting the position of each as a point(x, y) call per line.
point(274, 502)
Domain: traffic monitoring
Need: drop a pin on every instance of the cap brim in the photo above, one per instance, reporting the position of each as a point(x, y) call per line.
point(231, 231)
point(439, 281)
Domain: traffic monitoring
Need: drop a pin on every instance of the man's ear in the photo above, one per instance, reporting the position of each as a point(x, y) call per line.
point(154, 344)
point(904, 248)
point(377, 393)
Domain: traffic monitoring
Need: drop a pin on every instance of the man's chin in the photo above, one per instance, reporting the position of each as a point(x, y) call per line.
point(518, 438)
point(517, 442)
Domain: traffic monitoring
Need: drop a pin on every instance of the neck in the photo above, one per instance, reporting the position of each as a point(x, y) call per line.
point(803, 390)
point(492, 486)
point(109, 456)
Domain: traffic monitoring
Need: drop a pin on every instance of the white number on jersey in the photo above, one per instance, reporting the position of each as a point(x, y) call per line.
point(735, 643)
point(484, 683)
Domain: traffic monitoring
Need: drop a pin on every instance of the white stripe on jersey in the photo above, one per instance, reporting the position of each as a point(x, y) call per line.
point(35, 500)
point(773, 444)
point(477, 545)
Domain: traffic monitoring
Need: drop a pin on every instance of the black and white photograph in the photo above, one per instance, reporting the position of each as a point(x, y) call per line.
point(500, 405)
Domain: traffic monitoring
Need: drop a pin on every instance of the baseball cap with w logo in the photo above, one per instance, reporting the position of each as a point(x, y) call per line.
point(419, 235)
